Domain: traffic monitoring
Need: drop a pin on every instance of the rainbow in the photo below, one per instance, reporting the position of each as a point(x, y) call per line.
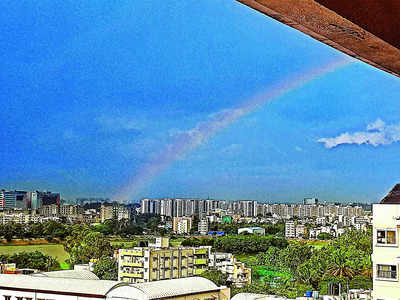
point(203, 131)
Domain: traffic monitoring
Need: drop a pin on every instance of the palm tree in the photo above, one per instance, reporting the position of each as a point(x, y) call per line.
point(340, 268)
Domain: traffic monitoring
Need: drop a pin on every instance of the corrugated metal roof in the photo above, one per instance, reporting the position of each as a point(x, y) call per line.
point(63, 285)
point(175, 287)
point(73, 274)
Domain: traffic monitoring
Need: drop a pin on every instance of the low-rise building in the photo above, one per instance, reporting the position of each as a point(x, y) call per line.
point(237, 272)
point(252, 230)
point(182, 225)
point(51, 210)
point(203, 226)
point(301, 231)
point(145, 264)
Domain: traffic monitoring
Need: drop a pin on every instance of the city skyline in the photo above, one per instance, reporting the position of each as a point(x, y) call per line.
point(94, 93)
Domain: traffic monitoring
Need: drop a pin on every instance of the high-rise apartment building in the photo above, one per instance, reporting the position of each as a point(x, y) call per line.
point(114, 210)
point(310, 201)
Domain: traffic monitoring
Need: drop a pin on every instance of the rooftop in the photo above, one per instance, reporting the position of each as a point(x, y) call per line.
point(175, 287)
point(60, 285)
point(393, 197)
point(71, 274)
point(104, 288)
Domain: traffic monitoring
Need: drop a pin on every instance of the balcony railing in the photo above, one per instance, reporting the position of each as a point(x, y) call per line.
point(200, 251)
point(134, 275)
point(387, 274)
point(132, 264)
point(131, 252)
point(200, 261)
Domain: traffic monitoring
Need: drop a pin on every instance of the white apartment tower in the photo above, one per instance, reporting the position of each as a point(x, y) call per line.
point(290, 229)
point(386, 250)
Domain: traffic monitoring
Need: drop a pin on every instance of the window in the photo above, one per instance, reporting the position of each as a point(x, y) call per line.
point(386, 237)
point(387, 271)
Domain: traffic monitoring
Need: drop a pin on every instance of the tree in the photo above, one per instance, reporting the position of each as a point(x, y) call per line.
point(340, 266)
point(83, 245)
point(255, 288)
point(106, 269)
point(294, 255)
point(215, 276)
point(360, 282)
point(32, 260)
point(324, 236)
point(269, 258)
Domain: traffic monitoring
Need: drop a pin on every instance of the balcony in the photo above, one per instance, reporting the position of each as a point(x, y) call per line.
point(198, 271)
point(132, 264)
point(131, 252)
point(132, 275)
point(200, 261)
point(200, 251)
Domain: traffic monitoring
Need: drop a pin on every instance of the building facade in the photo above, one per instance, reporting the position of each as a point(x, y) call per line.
point(385, 256)
point(290, 229)
point(145, 264)
point(182, 225)
point(203, 226)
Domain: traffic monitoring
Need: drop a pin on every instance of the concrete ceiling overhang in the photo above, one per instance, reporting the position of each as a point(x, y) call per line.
point(368, 30)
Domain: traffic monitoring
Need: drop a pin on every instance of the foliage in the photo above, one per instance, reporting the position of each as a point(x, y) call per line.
point(106, 269)
point(48, 230)
point(360, 282)
point(84, 244)
point(324, 236)
point(294, 255)
point(215, 276)
point(256, 288)
point(32, 260)
point(345, 261)
point(248, 244)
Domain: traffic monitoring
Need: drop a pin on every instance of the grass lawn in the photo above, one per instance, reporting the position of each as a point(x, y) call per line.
point(56, 251)
point(318, 244)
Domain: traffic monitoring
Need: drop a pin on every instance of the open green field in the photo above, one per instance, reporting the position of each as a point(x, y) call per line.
point(54, 250)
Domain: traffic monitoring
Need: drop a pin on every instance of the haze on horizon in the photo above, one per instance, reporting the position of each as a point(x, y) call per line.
point(91, 92)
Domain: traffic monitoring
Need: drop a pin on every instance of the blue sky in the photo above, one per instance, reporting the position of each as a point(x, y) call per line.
point(91, 92)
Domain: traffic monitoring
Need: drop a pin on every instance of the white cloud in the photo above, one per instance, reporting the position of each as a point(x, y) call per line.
point(377, 133)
